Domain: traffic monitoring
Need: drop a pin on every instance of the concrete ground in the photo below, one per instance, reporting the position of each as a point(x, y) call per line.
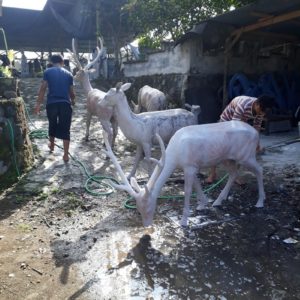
point(57, 241)
point(279, 151)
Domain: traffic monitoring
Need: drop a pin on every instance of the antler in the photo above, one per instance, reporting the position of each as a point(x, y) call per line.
point(99, 53)
point(126, 185)
point(74, 56)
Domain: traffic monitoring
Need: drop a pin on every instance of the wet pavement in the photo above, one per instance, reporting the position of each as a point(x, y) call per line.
point(231, 252)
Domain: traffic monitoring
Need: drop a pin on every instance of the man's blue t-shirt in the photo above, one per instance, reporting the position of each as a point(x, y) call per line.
point(59, 82)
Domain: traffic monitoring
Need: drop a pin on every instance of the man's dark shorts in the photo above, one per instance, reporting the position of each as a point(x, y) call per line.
point(60, 117)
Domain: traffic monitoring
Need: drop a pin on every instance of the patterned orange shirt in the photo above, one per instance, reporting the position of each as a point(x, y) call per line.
point(241, 109)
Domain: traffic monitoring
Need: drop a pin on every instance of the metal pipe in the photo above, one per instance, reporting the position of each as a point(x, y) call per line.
point(97, 21)
point(5, 42)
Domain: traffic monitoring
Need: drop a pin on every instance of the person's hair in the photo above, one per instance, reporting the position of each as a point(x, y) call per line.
point(266, 102)
point(56, 59)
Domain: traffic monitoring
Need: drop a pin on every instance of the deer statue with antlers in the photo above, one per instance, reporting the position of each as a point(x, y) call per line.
point(95, 105)
point(199, 146)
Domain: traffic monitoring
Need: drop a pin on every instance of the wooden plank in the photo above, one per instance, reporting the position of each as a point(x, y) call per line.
point(271, 35)
point(264, 17)
point(228, 47)
point(268, 22)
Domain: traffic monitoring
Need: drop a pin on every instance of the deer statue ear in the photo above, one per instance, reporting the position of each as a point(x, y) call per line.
point(125, 86)
point(92, 70)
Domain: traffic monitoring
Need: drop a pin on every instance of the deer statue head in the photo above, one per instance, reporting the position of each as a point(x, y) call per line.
point(114, 95)
point(144, 196)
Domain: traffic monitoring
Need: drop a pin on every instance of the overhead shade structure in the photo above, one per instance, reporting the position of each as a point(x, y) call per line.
point(49, 30)
point(213, 34)
point(53, 28)
point(272, 20)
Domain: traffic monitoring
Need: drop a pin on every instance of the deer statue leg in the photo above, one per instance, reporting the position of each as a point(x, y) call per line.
point(257, 170)
point(201, 197)
point(88, 123)
point(114, 125)
point(147, 153)
point(137, 159)
point(107, 127)
point(189, 178)
point(232, 169)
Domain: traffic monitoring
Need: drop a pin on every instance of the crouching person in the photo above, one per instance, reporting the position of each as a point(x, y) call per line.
point(245, 108)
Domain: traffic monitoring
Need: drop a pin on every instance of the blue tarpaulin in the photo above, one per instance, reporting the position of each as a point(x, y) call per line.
point(283, 86)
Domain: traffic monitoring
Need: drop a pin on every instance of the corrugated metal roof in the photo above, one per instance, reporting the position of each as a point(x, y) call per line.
point(247, 15)
point(251, 13)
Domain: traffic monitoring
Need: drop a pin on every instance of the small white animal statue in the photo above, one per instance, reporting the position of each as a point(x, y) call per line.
point(149, 99)
point(141, 128)
point(193, 147)
point(94, 97)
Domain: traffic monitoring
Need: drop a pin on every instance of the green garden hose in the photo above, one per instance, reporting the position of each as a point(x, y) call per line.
point(99, 179)
point(12, 139)
point(129, 200)
point(43, 134)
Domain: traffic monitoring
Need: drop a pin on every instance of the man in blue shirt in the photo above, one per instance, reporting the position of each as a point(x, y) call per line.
point(60, 97)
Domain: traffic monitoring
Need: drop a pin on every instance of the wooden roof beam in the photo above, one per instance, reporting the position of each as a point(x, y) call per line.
point(69, 2)
point(272, 35)
point(264, 16)
point(267, 22)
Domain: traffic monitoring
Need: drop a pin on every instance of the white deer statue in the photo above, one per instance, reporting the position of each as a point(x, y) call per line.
point(95, 106)
point(149, 99)
point(233, 143)
point(141, 128)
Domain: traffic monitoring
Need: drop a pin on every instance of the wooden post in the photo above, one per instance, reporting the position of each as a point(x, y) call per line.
point(226, 62)
point(228, 46)
point(97, 22)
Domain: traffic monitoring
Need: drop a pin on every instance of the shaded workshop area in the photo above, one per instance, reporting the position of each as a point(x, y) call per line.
point(65, 233)
point(59, 241)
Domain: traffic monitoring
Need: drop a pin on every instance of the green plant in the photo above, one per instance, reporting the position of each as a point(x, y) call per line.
point(55, 190)
point(72, 202)
point(19, 199)
point(147, 42)
point(5, 72)
point(41, 197)
point(24, 227)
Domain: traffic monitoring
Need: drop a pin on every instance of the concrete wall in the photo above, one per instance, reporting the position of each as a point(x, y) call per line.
point(183, 59)
point(188, 58)
point(186, 67)
point(173, 61)
point(170, 84)
point(176, 70)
